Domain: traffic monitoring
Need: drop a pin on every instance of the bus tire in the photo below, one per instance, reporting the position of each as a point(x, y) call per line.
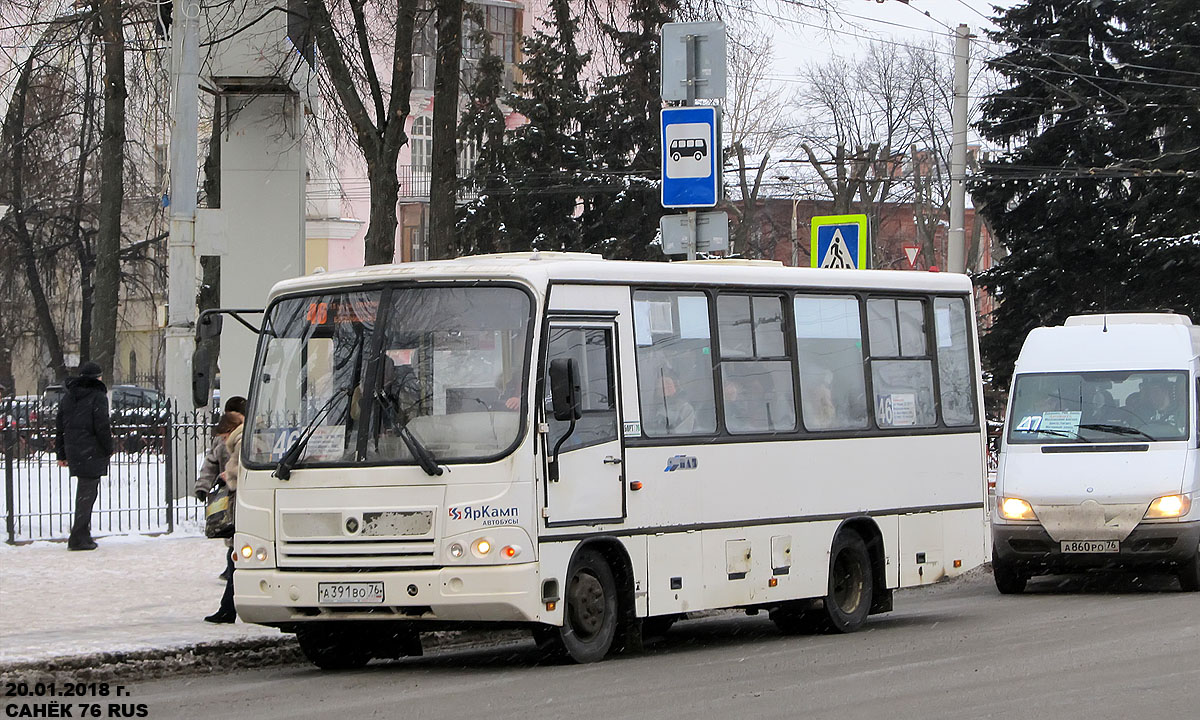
point(1189, 574)
point(851, 585)
point(1009, 580)
point(590, 613)
point(334, 648)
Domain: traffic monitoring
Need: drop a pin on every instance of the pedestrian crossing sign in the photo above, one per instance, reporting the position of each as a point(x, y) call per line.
point(839, 241)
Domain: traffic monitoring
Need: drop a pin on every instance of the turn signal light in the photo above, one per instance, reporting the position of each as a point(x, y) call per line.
point(482, 547)
point(1016, 509)
point(1169, 506)
point(247, 551)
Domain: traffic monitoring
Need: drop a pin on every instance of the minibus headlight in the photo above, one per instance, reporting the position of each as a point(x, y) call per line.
point(1016, 509)
point(1169, 506)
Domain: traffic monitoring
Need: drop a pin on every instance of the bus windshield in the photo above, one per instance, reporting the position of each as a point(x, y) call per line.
point(1114, 406)
point(363, 374)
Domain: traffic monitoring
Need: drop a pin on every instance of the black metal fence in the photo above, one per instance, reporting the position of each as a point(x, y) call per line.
point(149, 487)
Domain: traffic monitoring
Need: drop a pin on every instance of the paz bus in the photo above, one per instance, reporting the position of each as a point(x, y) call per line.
point(593, 449)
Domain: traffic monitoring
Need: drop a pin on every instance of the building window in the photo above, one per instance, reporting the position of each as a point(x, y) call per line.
point(422, 144)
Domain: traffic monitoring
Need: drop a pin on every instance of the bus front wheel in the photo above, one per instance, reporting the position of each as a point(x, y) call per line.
point(589, 615)
point(334, 648)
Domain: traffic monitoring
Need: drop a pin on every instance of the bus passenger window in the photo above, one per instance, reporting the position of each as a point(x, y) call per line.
point(833, 391)
point(903, 387)
point(674, 362)
point(957, 389)
point(756, 374)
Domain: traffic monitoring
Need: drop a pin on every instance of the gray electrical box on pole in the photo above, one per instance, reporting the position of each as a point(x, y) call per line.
point(693, 61)
point(695, 232)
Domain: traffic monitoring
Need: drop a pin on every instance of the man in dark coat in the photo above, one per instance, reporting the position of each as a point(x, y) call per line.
point(84, 443)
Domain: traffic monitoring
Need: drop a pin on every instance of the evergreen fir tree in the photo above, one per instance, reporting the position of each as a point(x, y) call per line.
point(1079, 241)
point(621, 212)
point(548, 152)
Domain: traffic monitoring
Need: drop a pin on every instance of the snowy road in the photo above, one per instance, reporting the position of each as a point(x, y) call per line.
point(1067, 650)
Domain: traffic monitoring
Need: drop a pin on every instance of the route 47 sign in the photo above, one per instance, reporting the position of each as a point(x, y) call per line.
point(839, 241)
point(691, 157)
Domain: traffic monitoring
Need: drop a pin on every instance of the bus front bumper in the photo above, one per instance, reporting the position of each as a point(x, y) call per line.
point(498, 593)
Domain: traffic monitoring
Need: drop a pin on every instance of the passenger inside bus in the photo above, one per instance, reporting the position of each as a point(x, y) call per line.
point(675, 415)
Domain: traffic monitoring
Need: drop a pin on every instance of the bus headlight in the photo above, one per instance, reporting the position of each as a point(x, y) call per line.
point(456, 550)
point(1016, 509)
point(1169, 506)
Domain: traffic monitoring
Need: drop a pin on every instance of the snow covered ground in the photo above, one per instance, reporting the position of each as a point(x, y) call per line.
point(132, 593)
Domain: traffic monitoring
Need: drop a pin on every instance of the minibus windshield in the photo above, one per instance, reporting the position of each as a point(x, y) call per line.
point(390, 375)
point(1111, 406)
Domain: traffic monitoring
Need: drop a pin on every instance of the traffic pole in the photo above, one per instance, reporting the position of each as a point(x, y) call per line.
point(956, 252)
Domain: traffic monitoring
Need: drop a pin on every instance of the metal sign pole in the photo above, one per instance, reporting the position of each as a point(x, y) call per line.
point(692, 239)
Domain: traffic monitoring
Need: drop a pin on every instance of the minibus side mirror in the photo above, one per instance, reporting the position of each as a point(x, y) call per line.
point(564, 389)
point(201, 381)
point(564, 402)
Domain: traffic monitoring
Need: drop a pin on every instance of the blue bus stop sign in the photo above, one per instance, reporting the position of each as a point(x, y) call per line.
point(691, 152)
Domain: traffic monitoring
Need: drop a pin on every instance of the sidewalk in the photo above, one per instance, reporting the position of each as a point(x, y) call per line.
point(134, 594)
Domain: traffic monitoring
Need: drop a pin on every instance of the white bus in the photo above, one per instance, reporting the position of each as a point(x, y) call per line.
point(593, 449)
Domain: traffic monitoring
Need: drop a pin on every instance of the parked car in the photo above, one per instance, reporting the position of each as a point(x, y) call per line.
point(139, 416)
point(25, 417)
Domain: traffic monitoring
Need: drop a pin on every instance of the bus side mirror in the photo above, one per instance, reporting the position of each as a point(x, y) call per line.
point(201, 382)
point(209, 326)
point(564, 389)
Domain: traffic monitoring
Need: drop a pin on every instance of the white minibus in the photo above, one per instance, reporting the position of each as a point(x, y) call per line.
point(1099, 464)
point(593, 449)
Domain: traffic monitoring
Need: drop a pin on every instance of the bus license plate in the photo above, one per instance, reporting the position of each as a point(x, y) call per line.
point(350, 592)
point(1090, 546)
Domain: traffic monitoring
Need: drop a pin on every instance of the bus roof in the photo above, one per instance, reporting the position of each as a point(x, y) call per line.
point(541, 268)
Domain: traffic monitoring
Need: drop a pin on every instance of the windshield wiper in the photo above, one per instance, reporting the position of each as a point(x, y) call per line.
point(1117, 429)
point(1057, 433)
point(419, 452)
point(283, 470)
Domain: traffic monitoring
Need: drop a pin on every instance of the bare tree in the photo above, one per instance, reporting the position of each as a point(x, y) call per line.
point(753, 124)
point(860, 122)
point(348, 34)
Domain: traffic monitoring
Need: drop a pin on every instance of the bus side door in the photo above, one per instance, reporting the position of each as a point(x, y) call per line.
point(591, 470)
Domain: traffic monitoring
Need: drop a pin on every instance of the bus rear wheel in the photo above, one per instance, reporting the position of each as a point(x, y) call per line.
point(332, 648)
point(847, 601)
point(589, 615)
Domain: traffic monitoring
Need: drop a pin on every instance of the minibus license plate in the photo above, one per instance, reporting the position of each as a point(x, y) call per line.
point(1090, 546)
point(350, 592)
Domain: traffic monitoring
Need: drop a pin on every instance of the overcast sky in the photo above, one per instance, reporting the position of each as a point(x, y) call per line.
point(801, 39)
